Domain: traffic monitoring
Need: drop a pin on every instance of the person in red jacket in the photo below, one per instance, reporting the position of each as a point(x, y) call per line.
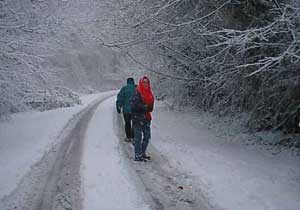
point(142, 102)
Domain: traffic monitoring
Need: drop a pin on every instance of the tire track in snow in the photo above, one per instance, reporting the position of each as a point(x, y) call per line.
point(54, 182)
point(63, 186)
point(168, 187)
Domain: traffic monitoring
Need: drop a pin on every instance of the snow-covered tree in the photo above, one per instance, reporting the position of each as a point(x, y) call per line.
point(227, 56)
point(48, 50)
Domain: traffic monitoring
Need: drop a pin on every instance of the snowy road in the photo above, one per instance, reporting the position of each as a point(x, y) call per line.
point(118, 182)
point(92, 168)
point(165, 184)
point(63, 189)
point(76, 158)
point(54, 181)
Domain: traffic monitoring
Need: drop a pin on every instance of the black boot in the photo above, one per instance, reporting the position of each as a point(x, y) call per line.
point(127, 139)
point(147, 157)
point(140, 159)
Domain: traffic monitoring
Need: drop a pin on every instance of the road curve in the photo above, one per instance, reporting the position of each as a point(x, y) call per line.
point(54, 182)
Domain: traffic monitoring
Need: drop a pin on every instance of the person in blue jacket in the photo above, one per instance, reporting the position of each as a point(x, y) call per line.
point(123, 103)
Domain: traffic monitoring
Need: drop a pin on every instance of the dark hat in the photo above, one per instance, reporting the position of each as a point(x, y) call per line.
point(130, 80)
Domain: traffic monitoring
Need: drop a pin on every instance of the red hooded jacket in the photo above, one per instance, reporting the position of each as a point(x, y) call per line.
point(146, 94)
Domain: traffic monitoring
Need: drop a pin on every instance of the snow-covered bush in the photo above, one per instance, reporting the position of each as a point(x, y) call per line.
point(55, 98)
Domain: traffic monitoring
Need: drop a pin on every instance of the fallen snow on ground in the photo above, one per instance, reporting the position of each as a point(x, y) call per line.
point(27, 136)
point(233, 175)
point(107, 183)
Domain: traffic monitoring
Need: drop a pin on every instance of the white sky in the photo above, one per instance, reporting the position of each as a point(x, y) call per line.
point(231, 175)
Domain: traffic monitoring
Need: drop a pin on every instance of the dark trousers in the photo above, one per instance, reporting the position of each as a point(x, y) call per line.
point(128, 125)
point(142, 134)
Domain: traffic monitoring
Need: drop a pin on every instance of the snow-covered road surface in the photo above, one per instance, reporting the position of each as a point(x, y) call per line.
point(107, 181)
point(112, 180)
point(231, 175)
point(43, 166)
point(46, 174)
point(164, 184)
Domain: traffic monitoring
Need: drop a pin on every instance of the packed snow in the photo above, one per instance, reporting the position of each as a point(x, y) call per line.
point(107, 183)
point(27, 136)
point(232, 175)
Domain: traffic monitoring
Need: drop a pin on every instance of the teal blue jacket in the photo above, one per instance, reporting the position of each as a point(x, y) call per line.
point(123, 97)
